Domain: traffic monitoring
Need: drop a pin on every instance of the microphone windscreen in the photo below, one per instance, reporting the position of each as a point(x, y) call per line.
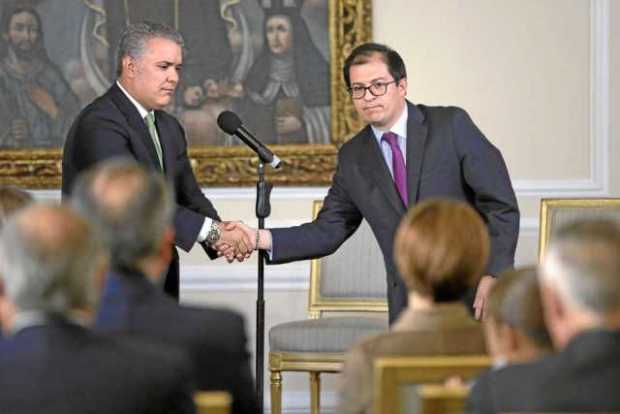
point(229, 122)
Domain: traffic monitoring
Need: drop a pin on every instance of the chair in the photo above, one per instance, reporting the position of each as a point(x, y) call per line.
point(555, 212)
point(392, 374)
point(441, 399)
point(350, 280)
point(212, 402)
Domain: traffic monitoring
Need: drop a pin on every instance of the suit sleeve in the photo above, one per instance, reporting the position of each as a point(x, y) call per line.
point(486, 176)
point(100, 136)
point(338, 219)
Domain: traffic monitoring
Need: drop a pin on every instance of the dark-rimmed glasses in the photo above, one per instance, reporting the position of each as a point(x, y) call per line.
point(375, 88)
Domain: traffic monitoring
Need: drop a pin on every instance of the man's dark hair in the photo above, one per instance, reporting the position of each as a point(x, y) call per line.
point(365, 52)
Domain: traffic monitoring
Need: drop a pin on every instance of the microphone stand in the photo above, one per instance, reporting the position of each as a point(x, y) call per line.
point(263, 209)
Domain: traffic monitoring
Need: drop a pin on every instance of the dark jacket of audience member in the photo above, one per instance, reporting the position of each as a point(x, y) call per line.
point(580, 291)
point(438, 265)
point(133, 209)
point(52, 363)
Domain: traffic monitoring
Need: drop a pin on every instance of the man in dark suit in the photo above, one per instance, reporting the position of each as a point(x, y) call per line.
point(580, 291)
point(50, 361)
point(129, 120)
point(133, 209)
point(428, 152)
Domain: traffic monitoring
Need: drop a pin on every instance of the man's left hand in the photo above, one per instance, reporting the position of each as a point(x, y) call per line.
point(482, 294)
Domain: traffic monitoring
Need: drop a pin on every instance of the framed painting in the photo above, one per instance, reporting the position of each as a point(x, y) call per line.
point(276, 63)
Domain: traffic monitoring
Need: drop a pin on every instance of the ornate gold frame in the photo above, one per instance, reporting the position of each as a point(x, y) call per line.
point(349, 25)
point(548, 205)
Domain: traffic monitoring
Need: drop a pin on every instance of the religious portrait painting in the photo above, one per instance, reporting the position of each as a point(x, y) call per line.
point(272, 62)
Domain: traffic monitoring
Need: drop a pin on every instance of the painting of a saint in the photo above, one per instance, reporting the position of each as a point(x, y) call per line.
point(287, 90)
point(37, 105)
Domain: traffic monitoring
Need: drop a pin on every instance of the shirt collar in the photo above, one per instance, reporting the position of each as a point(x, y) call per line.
point(142, 110)
point(399, 128)
point(27, 319)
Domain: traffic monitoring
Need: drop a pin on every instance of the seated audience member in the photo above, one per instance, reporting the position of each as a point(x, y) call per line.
point(514, 326)
point(11, 200)
point(441, 249)
point(133, 208)
point(51, 267)
point(580, 287)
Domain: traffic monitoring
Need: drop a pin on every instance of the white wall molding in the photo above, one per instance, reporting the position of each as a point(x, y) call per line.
point(243, 276)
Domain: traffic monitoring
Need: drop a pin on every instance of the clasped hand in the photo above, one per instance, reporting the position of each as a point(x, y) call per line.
point(236, 241)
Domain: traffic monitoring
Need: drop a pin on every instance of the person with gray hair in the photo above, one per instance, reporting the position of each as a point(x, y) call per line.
point(51, 268)
point(133, 209)
point(580, 288)
point(130, 120)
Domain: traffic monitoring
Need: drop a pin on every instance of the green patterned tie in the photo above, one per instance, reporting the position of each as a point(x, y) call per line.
point(150, 123)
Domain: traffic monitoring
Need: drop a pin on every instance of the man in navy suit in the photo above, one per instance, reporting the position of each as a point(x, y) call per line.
point(580, 291)
point(129, 120)
point(437, 152)
point(51, 270)
point(133, 209)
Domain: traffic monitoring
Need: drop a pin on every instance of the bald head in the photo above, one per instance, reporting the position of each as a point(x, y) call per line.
point(49, 256)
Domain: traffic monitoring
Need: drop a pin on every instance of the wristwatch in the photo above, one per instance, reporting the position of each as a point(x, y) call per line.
point(214, 234)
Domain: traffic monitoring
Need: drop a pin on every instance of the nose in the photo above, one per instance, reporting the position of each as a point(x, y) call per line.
point(369, 96)
point(31, 35)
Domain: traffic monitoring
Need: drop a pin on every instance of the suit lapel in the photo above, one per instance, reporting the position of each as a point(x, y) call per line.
point(416, 141)
point(139, 133)
point(375, 167)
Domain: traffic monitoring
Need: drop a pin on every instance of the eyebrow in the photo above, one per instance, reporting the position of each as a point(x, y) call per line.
point(168, 63)
point(379, 79)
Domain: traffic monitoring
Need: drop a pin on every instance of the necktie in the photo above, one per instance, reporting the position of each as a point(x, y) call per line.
point(398, 165)
point(150, 123)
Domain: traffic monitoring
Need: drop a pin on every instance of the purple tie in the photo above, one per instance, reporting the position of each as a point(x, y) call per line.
point(398, 165)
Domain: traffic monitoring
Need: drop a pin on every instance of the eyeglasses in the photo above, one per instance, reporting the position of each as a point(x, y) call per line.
point(376, 89)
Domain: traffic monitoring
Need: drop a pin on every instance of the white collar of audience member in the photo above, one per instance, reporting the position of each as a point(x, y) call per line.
point(142, 110)
point(399, 128)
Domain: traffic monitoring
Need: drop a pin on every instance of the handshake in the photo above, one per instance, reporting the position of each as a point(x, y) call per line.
point(237, 240)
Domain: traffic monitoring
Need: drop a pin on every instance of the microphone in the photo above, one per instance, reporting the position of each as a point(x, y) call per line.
point(230, 123)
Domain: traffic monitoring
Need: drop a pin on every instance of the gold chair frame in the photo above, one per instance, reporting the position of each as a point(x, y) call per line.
point(212, 402)
point(442, 399)
point(392, 372)
point(315, 363)
point(548, 205)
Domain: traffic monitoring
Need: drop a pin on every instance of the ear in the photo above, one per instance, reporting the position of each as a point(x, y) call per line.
point(402, 87)
point(553, 307)
point(129, 66)
point(165, 246)
point(7, 311)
